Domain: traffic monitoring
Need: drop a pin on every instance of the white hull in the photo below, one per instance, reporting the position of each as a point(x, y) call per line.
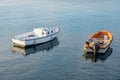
point(32, 41)
point(99, 51)
point(27, 40)
point(32, 49)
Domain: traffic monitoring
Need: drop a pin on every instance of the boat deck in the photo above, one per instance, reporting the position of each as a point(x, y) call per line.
point(25, 36)
point(101, 41)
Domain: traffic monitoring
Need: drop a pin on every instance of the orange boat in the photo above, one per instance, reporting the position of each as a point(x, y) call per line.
point(99, 42)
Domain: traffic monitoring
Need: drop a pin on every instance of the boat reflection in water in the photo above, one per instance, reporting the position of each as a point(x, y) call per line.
point(101, 57)
point(40, 47)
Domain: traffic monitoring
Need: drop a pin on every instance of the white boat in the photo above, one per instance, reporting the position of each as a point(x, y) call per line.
point(37, 36)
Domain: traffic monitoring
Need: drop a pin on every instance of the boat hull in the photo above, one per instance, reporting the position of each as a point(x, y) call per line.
point(35, 48)
point(101, 50)
point(24, 43)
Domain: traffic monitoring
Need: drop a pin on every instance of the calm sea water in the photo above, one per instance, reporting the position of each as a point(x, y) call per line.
point(61, 59)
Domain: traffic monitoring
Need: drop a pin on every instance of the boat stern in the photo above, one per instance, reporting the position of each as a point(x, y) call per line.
point(101, 50)
point(17, 42)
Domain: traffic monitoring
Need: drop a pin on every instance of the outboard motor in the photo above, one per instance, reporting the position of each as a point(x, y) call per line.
point(87, 42)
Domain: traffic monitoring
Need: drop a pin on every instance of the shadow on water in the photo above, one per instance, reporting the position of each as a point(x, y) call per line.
point(40, 47)
point(99, 56)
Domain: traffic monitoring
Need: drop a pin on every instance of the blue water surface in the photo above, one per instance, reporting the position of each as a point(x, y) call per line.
point(61, 59)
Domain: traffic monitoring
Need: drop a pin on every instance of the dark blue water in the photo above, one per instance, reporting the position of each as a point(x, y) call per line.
point(61, 59)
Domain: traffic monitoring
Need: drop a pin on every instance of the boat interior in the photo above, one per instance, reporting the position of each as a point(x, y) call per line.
point(103, 39)
point(29, 35)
